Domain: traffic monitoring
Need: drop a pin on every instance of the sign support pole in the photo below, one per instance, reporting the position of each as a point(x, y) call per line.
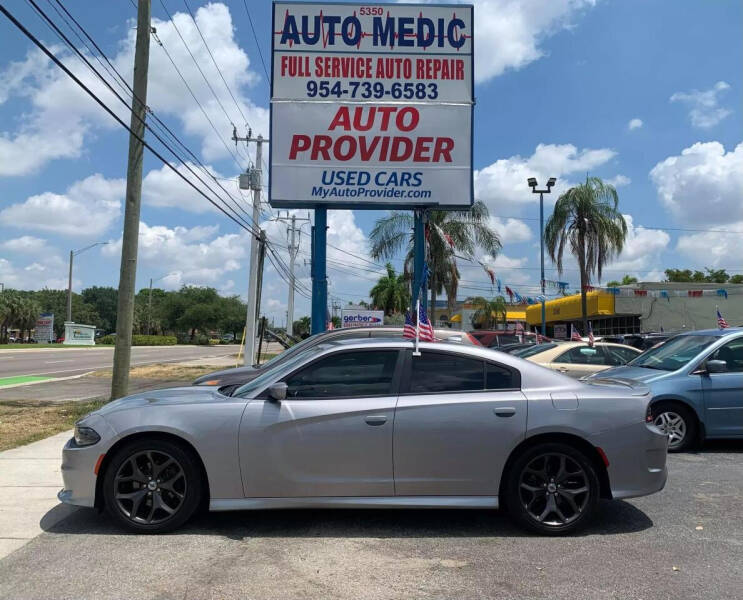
point(419, 255)
point(319, 274)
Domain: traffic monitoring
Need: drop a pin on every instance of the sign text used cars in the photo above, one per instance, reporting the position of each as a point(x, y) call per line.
point(371, 105)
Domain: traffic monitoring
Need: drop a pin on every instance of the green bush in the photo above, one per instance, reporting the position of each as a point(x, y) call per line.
point(143, 340)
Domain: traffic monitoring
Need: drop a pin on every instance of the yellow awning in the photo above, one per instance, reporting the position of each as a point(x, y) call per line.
point(517, 315)
point(456, 319)
point(568, 308)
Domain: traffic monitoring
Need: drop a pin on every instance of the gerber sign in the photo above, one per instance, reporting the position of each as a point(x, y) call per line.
point(362, 318)
point(371, 105)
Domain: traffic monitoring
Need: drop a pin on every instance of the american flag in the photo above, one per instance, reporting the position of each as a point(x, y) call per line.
point(721, 323)
point(425, 330)
point(590, 334)
point(574, 335)
point(408, 330)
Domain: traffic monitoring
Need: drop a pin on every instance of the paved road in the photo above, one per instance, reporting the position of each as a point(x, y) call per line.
point(64, 362)
point(647, 548)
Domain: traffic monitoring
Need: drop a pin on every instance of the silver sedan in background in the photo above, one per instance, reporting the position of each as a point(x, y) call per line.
point(370, 423)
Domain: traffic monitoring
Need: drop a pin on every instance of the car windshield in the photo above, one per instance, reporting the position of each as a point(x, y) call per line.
point(673, 354)
point(279, 368)
point(532, 350)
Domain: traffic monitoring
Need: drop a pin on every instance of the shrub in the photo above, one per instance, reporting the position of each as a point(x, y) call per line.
point(143, 340)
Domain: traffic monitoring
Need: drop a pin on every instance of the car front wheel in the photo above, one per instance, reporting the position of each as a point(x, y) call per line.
point(152, 486)
point(552, 489)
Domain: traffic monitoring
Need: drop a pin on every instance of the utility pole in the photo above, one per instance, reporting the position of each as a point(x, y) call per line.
point(130, 238)
point(291, 231)
point(69, 289)
point(532, 183)
point(252, 180)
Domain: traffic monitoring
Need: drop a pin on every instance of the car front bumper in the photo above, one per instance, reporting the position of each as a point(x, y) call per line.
point(637, 459)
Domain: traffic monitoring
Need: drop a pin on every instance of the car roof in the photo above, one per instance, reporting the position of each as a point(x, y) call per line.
point(714, 332)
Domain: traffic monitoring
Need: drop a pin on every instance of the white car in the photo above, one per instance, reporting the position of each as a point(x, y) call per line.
point(580, 359)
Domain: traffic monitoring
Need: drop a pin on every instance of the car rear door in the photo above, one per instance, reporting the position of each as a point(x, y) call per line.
point(331, 436)
point(580, 361)
point(457, 419)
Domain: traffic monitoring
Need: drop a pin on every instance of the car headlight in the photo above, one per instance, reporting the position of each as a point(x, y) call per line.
point(86, 436)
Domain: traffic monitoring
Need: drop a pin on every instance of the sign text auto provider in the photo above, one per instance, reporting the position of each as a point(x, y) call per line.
point(371, 105)
point(362, 318)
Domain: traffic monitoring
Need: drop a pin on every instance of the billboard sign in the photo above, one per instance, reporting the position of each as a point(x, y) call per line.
point(44, 329)
point(351, 317)
point(371, 105)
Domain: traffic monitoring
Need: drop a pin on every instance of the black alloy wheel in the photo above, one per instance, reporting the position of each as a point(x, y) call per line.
point(152, 486)
point(553, 489)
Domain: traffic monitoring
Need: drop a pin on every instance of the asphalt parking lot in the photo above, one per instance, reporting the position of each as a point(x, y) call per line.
point(685, 542)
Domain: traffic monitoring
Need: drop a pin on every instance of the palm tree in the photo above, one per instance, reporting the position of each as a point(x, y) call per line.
point(489, 312)
point(586, 218)
point(391, 292)
point(449, 233)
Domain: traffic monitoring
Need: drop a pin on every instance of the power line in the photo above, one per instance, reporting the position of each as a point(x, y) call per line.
point(103, 105)
point(257, 45)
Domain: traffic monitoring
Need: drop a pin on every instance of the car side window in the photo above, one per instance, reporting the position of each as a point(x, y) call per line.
point(498, 377)
point(345, 375)
point(732, 354)
point(582, 355)
point(441, 372)
point(617, 356)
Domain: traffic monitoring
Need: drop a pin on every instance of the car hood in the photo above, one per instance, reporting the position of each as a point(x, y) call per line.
point(630, 372)
point(230, 376)
point(169, 396)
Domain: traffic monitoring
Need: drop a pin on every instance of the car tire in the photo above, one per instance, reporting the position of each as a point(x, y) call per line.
point(552, 489)
point(679, 422)
point(152, 486)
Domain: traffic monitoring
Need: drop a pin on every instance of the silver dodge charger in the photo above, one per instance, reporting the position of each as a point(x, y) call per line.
point(372, 424)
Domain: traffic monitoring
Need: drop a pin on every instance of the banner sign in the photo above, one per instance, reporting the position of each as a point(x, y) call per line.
point(44, 330)
point(350, 317)
point(371, 105)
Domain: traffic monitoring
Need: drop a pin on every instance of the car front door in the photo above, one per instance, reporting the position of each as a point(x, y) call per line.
point(457, 419)
point(723, 392)
point(331, 436)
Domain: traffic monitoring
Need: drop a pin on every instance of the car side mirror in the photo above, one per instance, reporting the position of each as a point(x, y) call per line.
point(277, 391)
point(716, 366)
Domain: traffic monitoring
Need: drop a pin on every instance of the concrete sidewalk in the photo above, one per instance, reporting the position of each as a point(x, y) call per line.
point(30, 477)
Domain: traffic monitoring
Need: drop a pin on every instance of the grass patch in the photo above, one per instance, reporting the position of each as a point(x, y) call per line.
point(174, 372)
point(23, 422)
point(34, 346)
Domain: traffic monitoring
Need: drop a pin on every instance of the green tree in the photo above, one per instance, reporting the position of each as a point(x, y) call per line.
point(586, 218)
point(736, 279)
point(391, 294)
point(626, 280)
point(489, 313)
point(449, 233)
point(104, 301)
point(232, 313)
point(301, 327)
point(689, 276)
point(55, 301)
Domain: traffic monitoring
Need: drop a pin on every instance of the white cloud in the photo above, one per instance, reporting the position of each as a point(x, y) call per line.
point(61, 117)
point(702, 184)
point(185, 254)
point(26, 244)
point(618, 180)
point(502, 185)
point(704, 108)
point(510, 231)
point(642, 250)
point(712, 248)
point(165, 189)
point(86, 209)
point(509, 35)
point(634, 124)
point(48, 271)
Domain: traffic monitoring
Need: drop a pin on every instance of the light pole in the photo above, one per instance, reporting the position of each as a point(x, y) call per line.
point(532, 181)
point(73, 254)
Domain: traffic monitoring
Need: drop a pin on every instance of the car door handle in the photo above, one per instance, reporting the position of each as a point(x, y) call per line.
point(504, 411)
point(562, 369)
point(375, 420)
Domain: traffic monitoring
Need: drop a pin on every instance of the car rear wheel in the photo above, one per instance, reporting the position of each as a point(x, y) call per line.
point(676, 421)
point(152, 486)
point(552, 489)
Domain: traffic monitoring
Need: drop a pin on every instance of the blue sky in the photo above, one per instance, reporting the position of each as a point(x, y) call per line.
point(646, 94)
